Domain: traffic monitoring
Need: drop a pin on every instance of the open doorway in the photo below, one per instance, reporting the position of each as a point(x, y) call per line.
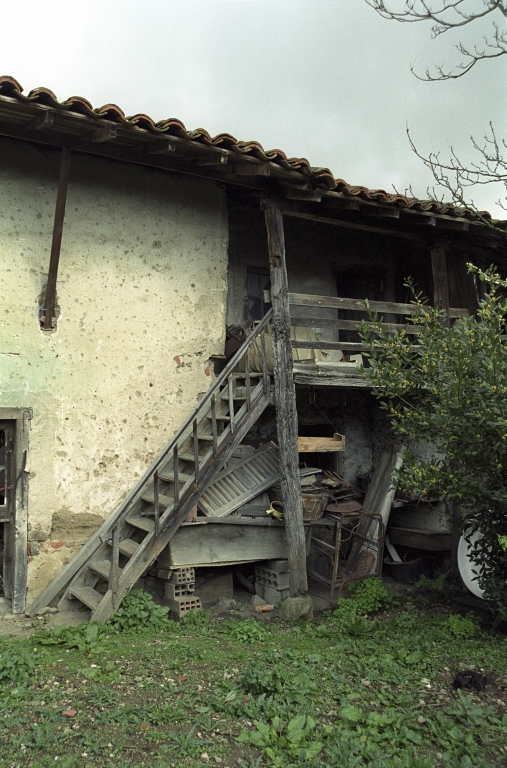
point(14, 426)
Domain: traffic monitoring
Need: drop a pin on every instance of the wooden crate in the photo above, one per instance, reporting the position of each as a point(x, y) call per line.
point(321, 444)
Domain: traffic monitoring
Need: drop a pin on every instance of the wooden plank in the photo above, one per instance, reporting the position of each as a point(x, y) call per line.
point(285, 401)
point(335, 302)
point(61, 199)
point(252, 169)
point(330, 379)
point(350, 224)
point(440, 284)
point(340, 345)
point(214, 544)
point(321, 444)
point(87, 595)
point(347, 325)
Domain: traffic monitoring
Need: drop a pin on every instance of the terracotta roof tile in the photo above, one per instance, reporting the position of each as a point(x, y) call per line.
point(172, 127)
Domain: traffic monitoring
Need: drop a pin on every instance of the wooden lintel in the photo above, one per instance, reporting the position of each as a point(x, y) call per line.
point(102, 133)
point(161, 146)
point(252, 169)
point(311, 195)
point(42, 121)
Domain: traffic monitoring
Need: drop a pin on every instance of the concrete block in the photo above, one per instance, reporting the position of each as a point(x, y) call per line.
point(275, 596)
point(175, 591)
point(182, 605)
point(183, 576)
point(215, 586)
point(271, 578)
point(280, 566)
point(259, 589)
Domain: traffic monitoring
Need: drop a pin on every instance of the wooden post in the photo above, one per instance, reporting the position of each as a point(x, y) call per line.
point(285, 401)
point(440, 283)
point(61, 200)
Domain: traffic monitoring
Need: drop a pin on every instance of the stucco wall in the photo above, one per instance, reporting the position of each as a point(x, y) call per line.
point(141, 290)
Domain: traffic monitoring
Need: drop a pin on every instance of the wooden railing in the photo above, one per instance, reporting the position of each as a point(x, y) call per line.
point(358, 305)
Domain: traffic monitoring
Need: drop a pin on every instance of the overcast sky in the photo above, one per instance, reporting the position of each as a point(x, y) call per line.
point(328, 80)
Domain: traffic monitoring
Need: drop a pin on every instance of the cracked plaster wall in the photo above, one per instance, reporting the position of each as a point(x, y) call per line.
point(142, 292)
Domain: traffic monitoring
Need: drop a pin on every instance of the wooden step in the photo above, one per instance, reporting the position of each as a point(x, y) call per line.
point(163, 500)
point(169, 477)
point(219, 418)
point(102, 567)
point(190, 456)
point(87, 595)
point(144, 523)
point(205, 437)
point(128, 547)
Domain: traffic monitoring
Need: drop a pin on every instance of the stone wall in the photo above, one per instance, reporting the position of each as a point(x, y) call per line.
point(141, 296)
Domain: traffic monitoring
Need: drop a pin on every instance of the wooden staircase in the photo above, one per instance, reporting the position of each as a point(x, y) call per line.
point(131, 539)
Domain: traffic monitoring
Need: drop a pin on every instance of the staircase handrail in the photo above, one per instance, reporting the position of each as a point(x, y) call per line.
point(103, 533)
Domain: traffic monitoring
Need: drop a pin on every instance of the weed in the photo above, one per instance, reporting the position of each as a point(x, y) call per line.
point(370, 595)
point(87, 637)
point(196, 620)
point(461, 627)
point(16, 665)
point(138, 612)
point(247, 631)
point(431, 585)
point(279, 681)
point(282, 741)
point(349, 620)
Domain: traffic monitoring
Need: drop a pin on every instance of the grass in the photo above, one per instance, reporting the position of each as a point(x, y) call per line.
point(348, 692)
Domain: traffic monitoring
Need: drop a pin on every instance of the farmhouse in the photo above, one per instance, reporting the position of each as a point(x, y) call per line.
point(171, 302)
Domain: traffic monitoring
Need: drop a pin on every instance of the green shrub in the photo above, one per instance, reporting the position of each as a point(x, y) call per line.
point(16, 665)
point(247, 631)
point(461, 626)
point(370, 595)
point(138, 611)
point(347, 618)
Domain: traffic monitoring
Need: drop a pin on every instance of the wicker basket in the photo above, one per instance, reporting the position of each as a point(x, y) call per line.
point(314, 505)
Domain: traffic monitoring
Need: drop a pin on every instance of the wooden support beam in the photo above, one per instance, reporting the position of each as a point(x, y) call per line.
point(252, 169)
point(311, 195)
point(211, 161)
point(54, 260)
point(383, 211)
point(160, 147)
point(102, 133)
point(440, 283)
point(285, 401)
point(39, 123)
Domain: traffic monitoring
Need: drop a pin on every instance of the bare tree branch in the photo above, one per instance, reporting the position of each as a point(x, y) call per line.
point(448, 15)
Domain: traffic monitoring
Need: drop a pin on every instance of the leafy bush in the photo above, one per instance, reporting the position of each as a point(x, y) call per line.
point(137, 612)
point(247, 631)
point(347, 618)
point(16, 665)
point(282, 742)
point(461, 626)
point(370, 595)
point(453, 383)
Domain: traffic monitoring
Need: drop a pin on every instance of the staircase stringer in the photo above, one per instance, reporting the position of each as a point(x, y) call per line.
point(219, 388)
point(152, 546)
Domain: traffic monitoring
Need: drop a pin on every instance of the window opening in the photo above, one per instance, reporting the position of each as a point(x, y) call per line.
point(258, 281)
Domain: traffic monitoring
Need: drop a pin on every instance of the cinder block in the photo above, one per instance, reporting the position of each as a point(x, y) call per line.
point(183, 576)
point(174, 591)
point(180, 606)
point(271, 578)
point(280, 566)
point(275, 596)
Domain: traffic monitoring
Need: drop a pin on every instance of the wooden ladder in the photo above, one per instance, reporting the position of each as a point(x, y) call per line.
point(131, 539)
